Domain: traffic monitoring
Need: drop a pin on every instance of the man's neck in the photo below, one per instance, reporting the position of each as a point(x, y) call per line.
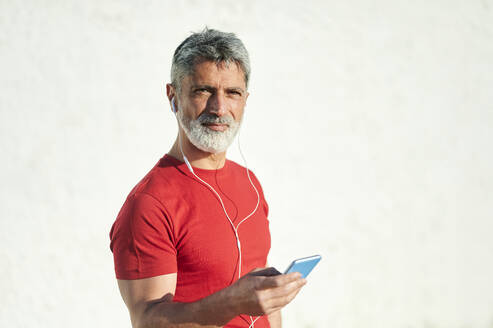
point(197, 158)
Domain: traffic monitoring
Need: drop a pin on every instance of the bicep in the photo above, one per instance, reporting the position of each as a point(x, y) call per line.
point(138, 294)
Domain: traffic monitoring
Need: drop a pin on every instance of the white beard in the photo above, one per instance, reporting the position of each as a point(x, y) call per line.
point(207, 139)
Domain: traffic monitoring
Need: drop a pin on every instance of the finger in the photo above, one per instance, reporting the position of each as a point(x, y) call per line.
point(278, 281)
point(282, 300)
point(275, 298)
point(272, 310)
point(286, 289)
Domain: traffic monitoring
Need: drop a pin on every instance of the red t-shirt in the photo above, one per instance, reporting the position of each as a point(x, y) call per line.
point(171, 222)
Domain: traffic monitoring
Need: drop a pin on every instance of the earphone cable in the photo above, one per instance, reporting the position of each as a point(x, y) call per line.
point(235, 229)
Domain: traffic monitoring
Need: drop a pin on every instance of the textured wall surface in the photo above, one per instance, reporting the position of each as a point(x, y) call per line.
point(369, 124)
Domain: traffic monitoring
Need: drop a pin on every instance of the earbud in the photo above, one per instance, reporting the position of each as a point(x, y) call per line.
point(173, 105)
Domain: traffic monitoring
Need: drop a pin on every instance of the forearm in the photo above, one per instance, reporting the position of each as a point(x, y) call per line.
point(275, 319)
point(213, 311)
point(253, 294)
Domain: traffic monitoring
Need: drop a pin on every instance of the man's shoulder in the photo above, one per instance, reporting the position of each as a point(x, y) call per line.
point(163, 179)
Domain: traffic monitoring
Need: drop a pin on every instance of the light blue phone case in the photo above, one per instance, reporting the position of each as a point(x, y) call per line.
point(304, 265)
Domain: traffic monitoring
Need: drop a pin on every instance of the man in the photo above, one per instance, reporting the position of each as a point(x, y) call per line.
point(190, 239)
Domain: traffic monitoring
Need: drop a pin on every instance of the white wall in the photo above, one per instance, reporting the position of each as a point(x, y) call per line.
point(369, 124)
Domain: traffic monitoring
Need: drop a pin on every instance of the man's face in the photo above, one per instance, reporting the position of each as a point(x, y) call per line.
point(211, 104)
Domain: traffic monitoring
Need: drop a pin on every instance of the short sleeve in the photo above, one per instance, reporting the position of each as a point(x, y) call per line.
point(142, 239)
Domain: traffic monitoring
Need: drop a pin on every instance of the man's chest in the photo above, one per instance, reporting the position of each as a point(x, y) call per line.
point(208, 256)
point(207, 241)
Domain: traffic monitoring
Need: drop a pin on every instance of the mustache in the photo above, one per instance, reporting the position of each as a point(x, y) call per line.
point(214, 119)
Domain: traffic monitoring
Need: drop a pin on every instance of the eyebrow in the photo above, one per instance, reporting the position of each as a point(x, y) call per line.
point(202, 86)
point(236, 89)
point(211, 88)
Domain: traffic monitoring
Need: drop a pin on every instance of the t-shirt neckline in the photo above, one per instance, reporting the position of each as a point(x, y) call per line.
point(199, 171)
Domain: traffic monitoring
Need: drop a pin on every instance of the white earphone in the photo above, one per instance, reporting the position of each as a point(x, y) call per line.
point(235, 229)
point(173, 105)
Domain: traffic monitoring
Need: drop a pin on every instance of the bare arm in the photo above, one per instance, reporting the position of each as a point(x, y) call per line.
point(150, 300)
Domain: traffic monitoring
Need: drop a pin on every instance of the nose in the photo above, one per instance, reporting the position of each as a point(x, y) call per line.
point(218, 104)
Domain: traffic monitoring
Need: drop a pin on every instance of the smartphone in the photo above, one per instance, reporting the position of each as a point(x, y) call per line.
point(304, 265)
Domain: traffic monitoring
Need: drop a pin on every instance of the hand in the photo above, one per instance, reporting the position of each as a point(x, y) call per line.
point(264, 291)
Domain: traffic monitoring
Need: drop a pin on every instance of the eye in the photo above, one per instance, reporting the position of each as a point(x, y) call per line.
point(235, 93)
point(201, 91)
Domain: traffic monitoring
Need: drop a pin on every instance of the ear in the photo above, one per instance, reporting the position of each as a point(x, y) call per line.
point(171, 94)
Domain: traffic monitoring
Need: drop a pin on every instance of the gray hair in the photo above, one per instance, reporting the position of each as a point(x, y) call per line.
point(208, 45)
